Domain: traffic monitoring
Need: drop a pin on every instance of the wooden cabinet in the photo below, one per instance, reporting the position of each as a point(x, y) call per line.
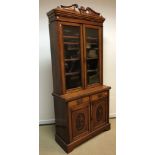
point(81, 101)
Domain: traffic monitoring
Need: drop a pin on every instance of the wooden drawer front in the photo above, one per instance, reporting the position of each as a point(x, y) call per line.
point(80, 122)
point(99, 113)
point(79, 101)
point(99, 96)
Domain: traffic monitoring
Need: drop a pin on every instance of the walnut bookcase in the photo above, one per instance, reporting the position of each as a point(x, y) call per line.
point(81, 101)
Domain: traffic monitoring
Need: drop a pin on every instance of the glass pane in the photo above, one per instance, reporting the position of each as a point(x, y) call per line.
point(92, 55)
point(72, 56)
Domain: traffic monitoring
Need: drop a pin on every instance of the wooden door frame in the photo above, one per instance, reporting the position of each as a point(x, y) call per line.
point(64, 90)
point(100, 33)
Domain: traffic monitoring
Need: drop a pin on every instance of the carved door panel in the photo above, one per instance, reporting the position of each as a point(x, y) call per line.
point(80, 121)
point(99, 113)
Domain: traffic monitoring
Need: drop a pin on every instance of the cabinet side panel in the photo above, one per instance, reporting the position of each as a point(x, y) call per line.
point(102, 44)
point(61, 117)
point(55, 57)
point(108, 104)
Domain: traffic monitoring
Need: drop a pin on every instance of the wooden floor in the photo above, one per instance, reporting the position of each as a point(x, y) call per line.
point(103, 144)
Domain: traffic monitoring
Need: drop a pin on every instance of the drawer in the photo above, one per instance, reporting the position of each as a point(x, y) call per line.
point(99, 95)
point(79, 101)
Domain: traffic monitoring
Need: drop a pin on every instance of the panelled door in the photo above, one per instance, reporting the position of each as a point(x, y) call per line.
point(99, 114)
point(80, 119)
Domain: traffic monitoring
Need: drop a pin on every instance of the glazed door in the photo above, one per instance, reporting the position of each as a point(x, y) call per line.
point(93, 55)
point(72, 56)
point(99, 115)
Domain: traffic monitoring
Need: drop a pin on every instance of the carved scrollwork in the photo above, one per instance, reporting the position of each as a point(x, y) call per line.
point(75, 11)
point(82, 10)
point(80, 121)
point(73, 7)
point(99, 113)
point(92, 12)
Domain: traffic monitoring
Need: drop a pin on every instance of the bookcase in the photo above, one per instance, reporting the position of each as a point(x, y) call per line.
point(81, 100)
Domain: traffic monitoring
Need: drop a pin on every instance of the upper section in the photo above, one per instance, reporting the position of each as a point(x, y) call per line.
point(76, 12)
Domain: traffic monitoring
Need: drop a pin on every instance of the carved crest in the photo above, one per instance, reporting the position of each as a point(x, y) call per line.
point(73, 7)
point(74, 11)
point(80, 10)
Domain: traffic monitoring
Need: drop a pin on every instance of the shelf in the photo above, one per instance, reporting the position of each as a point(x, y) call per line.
point(72, 43)
point(92, 38)
point(72, 73)
point(92, 58)
point(72, 59)
point(71, 36)
point(92, 70)
point(73, 49)
point(92, 43)
point(90, 48)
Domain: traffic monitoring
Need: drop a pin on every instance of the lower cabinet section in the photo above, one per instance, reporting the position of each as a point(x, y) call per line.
point(86, 117)
point(87, 114)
